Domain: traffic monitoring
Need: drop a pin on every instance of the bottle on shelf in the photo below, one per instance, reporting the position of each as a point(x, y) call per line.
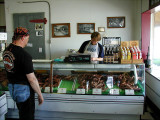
point(112, 55)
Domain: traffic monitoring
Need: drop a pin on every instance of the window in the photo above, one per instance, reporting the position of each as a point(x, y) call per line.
point(155, 39)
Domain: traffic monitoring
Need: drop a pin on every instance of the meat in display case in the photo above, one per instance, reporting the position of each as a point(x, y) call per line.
point(3, 80)
point(124, 79)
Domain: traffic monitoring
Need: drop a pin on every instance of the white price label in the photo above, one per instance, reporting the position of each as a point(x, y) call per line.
point(47, 89)
point(129, 92)
point(97, 91)
point(109, 82)
point(62, 90)
point(114, 91)
point(80, 91)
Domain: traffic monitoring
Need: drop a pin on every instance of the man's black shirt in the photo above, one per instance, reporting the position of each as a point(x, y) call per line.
point(17, 63)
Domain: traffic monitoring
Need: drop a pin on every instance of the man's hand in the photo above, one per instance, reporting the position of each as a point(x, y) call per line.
point(35, 85)
point(94, 59)
point(40, 99)
point(97, 59)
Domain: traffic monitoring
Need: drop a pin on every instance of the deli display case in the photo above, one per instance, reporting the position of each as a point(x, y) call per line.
point(3, 101)
point(78, 91)
point(3, 105)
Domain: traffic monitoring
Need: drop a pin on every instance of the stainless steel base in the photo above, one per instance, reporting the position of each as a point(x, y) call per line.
point(48, 115)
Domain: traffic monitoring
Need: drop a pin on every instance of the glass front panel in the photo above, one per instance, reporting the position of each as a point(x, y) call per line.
point(103, 79)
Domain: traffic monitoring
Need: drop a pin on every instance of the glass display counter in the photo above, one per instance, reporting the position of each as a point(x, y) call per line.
point(108, 79)
point(72, 90)
point(3, 105)
point(95, 88)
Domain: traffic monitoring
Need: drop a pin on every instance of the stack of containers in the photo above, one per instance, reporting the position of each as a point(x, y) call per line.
point(136, 52)
point(125, 53)
point(130, 54)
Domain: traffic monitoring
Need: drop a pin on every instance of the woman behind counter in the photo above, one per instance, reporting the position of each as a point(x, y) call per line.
point(93, 47)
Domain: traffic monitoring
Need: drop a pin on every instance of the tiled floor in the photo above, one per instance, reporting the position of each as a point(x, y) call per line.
point(149, 114)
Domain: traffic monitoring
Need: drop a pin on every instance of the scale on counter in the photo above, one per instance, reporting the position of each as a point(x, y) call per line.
point(3, 41)
point(79, 57)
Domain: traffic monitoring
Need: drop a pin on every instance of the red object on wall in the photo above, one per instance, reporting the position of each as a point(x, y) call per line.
point(146, 21)
point(39, 21)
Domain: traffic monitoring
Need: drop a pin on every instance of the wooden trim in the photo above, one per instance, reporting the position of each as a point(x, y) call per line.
point(51, 77)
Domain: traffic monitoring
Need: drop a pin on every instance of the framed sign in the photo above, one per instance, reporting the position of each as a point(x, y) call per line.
point(85, 28)
point(61, 30)
point(39, 26)
point(2, 28)
point(39, 33)
point(153, 3)
point(101, 29)
point(115, 22)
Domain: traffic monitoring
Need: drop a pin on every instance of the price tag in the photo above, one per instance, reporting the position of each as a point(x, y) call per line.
point(62, 90)
point(80, 91)
point(129, 92)
point(114, 91)
point(109, 82)
point(47, 89)
point(97, 91)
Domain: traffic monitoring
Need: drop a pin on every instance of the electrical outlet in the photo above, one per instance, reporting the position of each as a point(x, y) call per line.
point(40, 50)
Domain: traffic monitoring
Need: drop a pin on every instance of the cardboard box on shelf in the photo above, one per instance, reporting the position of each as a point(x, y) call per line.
point(133, 43)
point(124, 43)
point(137, 61)
point(125, 61)
point(136, 56)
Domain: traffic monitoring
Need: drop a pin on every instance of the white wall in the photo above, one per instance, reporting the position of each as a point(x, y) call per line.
point(145, 5)
point(16, 6)
point(81, 11)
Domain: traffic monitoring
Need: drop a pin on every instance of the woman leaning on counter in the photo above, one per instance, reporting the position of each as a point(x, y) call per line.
point(93, 47)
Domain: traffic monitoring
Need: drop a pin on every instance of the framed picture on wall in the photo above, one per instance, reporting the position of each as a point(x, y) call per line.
point(2, 28)
point(39, 26)
point(85, 28)
point(153, 3)
point(115, 22)
point(61, 30)
point(39, 33)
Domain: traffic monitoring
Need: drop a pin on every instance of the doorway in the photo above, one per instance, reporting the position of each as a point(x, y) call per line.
point(36, 44)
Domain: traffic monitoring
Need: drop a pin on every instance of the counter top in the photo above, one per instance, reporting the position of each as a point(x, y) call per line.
point(1, 93)
point(154, 72)
point(45, 64)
